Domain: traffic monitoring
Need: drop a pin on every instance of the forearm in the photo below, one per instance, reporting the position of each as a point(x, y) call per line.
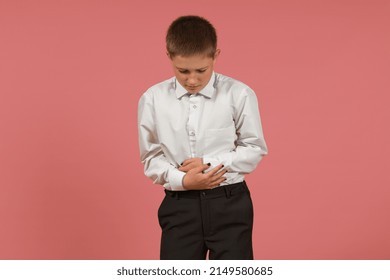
point(244, 159)
point(162, 172)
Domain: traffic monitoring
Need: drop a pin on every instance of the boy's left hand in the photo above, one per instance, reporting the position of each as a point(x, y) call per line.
point(191, 163)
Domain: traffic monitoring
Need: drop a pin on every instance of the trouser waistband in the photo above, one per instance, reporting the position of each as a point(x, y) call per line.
point(226, 190)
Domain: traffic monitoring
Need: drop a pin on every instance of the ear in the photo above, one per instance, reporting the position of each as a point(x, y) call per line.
point(216, 55)
point(168, 55)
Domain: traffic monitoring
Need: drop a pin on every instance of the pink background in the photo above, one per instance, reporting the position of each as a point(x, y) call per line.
point(71, 74)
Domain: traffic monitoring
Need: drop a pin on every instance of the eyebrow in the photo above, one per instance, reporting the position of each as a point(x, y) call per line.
point(183, 69)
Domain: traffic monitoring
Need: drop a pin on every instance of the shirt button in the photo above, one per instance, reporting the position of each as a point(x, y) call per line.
point(194, 106)
point(192, 133)
point(203, 193)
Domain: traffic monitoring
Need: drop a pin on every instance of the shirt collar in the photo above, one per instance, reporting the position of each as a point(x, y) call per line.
point(207, 91)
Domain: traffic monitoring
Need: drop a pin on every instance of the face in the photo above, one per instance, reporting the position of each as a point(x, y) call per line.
point(193, 72)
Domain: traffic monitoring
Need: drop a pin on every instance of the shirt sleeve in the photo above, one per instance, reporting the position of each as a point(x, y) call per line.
point(156, 165)
point(250, 143)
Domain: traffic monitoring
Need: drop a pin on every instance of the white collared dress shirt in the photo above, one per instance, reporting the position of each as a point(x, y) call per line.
point(220, 124)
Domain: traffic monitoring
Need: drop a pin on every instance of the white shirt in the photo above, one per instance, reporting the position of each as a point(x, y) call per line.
point(220, 124)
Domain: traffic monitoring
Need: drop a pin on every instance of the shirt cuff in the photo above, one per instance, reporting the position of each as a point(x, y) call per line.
point(176, 179)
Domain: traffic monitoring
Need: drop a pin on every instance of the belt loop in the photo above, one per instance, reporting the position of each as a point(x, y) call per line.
point(177, 196)
point(227, 191)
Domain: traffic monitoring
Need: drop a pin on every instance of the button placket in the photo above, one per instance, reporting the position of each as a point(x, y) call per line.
point(193, 122)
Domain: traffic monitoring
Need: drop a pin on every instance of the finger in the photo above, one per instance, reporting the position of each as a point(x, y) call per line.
point(218, 181)
point(221, 173)
point(182, 168)
point(215, 183)
point(188, 167)
point(201, 168)
point(215, 170)
point(188, 161)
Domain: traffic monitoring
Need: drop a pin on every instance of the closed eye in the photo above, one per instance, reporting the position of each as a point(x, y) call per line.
point(186, 71)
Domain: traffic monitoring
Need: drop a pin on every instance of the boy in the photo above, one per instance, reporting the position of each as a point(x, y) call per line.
point(199, 133)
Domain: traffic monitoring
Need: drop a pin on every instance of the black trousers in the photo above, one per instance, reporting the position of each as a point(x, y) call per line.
point(217, 221)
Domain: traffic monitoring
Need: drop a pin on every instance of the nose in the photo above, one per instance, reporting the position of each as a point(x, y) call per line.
point(192, 80)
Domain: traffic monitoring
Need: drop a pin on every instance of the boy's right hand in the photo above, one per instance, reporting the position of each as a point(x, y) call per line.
point(195, 179)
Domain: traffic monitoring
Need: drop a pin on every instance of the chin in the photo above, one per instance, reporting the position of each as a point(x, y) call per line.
point(192, 90)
